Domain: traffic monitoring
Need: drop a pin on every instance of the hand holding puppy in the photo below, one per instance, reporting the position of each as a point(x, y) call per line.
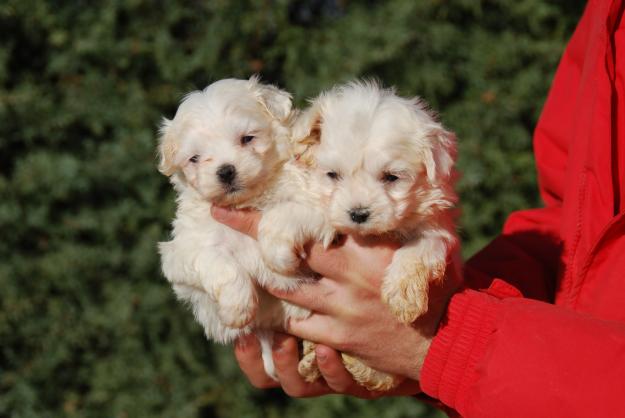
point(349, 316)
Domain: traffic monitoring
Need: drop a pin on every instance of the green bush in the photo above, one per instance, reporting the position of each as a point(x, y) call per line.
point(88, 325)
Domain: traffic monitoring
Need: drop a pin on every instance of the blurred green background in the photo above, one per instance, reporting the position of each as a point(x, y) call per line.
point(88, 325)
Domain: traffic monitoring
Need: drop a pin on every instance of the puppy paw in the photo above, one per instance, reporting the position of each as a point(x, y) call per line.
point(236, 315)
point(235, 293)
point(307, 367)
point(280, 254)
point(407, 301)
point(282, 233)
point(294, 311)
point(407, 294)
point(371, 379)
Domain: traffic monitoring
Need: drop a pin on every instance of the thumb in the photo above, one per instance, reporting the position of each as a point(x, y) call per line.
point(242, 220)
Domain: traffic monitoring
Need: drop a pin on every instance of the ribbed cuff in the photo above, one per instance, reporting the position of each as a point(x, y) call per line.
point(460, 343)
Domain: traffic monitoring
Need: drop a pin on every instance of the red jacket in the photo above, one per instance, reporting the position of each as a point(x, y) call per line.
point(544, 336)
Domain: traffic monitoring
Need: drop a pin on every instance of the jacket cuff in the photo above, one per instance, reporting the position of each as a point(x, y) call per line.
point(460, 343)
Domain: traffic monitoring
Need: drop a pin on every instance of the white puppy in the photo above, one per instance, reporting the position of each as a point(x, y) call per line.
point(227, 145)
point(383, 165)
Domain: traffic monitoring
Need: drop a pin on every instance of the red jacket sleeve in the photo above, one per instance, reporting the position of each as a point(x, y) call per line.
point(516, 357)
point(506, 350)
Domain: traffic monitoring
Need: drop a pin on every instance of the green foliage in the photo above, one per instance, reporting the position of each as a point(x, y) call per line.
point(88, 326)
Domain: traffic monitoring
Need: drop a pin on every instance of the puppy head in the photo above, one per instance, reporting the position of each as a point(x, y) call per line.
point(383, 163)
point(226, 140)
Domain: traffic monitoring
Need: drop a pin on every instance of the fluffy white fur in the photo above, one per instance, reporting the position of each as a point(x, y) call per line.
point(368, 162)
point(229, 145)
point(383, 164)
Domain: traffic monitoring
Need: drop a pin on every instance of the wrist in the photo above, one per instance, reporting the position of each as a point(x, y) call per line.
point(421, 353)
point(427, 327)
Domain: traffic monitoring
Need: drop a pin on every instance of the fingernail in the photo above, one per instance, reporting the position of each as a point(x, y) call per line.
point(320, 354)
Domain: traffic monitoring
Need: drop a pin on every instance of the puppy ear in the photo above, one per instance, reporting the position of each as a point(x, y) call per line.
point(167, 148)
point(277, 102)
point(307, 127)
point(306, 134)
point(440, 155)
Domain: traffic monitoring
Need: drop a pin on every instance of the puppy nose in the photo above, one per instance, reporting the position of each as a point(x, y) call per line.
point(226, 173)
point(359, 215)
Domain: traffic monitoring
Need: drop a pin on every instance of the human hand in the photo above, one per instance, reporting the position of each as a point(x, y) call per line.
point(349, 316)
point(286, 356)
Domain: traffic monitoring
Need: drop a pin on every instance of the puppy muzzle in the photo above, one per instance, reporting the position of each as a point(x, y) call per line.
point(359, 215)
point(226, 174)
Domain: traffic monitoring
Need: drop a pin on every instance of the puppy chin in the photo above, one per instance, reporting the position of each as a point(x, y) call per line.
point(230, 197)
point(370, 228)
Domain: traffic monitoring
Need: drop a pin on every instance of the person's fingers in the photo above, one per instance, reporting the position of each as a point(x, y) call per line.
point(317, 327)
point(331, 262)
point(242, 220)
point(318, 296)
point(248, 354)
point(340, 380)
point(336, 379)
point(286, 359)
point(351, 258)
point(336, 376)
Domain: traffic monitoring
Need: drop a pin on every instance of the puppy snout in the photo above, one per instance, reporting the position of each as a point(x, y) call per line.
point(226, 173)
point(359, 215)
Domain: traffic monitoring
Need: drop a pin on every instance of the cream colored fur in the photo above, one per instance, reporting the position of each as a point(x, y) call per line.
point(358, 131)
point(219, 272)
point(371, 151)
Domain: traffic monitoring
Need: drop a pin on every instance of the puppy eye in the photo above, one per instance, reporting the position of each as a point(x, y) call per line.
point(333, 175)
point(389, 178)
point(246, 139)
point(194, 159)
